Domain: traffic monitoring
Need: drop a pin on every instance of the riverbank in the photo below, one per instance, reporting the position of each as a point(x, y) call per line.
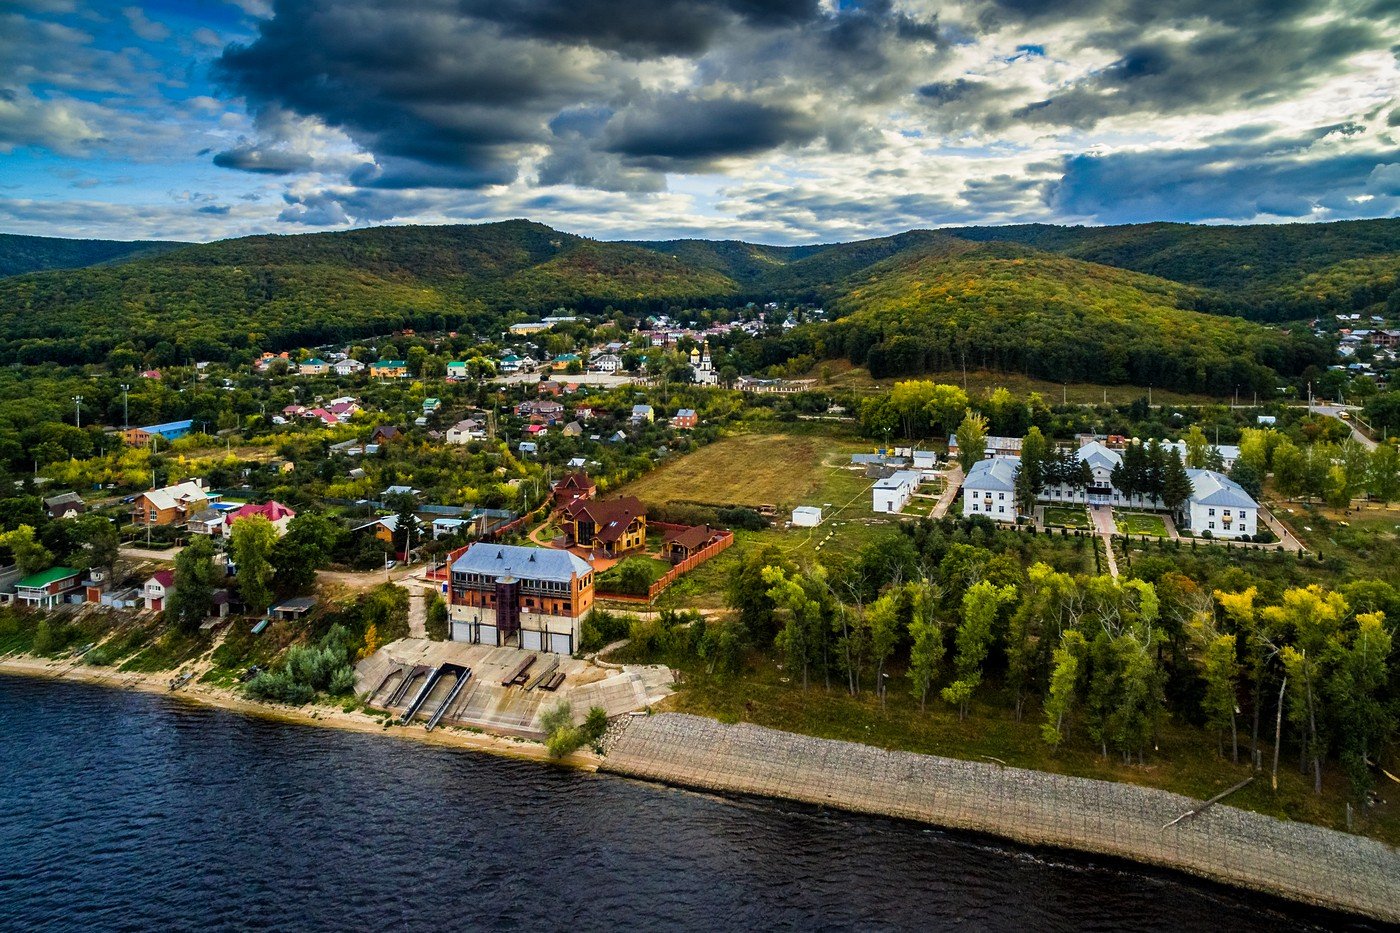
point(1297, 861)
point(333, 717)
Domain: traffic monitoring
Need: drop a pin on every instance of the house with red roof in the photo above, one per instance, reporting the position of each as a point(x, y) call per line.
point(157, 589)
point(275, 512)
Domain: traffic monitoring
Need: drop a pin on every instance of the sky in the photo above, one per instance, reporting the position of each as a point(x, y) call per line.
point(780, 121)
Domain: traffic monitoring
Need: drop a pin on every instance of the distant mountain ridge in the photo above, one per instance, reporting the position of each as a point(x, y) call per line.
point(1137, 283)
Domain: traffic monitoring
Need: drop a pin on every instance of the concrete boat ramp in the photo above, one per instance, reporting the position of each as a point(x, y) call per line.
point(502, 690)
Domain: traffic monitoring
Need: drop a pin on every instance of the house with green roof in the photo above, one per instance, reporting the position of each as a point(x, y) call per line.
point(389, 369)
point(457, 369)
point(48, 588)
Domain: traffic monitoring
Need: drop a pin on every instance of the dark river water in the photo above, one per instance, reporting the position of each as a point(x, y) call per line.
point(127, 811)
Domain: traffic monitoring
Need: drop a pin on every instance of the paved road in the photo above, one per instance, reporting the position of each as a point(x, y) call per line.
point(1335, 411)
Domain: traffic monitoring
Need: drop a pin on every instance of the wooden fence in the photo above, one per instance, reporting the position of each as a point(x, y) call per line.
point(723, 542)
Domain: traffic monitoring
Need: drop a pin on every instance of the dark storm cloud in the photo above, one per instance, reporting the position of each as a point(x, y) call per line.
point(1235, 57)
point(1226, 182)
point(250, 158)
point(646, 29)
point(459, 93)
point(676, 130)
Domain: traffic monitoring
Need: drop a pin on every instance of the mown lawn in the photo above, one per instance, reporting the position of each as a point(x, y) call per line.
point(1066, 517)
point(1140, 523)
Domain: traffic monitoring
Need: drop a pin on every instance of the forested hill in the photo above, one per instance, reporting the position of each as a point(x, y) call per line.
point(1266, 271)
point(214, 300)
point(21, 254)
point(1010, 307)
point(209, 300)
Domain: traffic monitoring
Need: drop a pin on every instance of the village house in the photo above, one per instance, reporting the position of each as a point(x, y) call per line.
point(546, 409)
point(169, 431)
point(349, 367)
point(575, 485)
point(206, 522)
point(314, 367)
point(275, 512)
point(170, 505)
point(65, 505)
point(685, 419)
point(606, 363)
point(157, 589)
point(520, 597)
point(431, 405)
point(384, 434)
point(468, 429)
point(612, 526)
point(573, 429)
point(48, 588)
point(642, 413)
point(389, 369)
point(457, 369)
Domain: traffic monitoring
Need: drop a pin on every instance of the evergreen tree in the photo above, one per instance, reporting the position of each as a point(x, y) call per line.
point(1176, 484)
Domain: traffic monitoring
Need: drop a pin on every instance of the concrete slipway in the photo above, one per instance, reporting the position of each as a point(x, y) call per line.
point(483, 703)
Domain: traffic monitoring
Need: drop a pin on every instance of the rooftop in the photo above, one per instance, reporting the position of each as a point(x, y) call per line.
point(527, 563)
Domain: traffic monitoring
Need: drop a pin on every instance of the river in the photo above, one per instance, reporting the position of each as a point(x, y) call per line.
point(128, 811)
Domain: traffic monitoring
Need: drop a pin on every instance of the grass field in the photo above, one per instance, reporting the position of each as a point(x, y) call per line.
point(1140, 523)
point(757, 469)
point(1064, 517)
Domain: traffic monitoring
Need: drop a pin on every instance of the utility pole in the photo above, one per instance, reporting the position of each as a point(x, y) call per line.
point(78, 410)
point(126, 418)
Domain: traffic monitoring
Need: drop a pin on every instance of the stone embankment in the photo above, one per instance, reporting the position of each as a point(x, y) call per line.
point(1294, 860)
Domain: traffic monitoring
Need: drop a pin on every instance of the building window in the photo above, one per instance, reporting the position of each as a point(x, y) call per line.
point(1210, 512)
point(1227, 513)
point(1212, 524)
point(974, 506)
point(1001, 496)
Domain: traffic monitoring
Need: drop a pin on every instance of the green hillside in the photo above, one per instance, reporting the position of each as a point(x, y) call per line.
point(1049, 301)
point(22, 254)
point(1263, 270)
point(1009, 307)
point(280, 291)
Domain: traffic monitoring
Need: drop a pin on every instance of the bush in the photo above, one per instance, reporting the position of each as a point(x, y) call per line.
point(632, 577)
point(99, 657)
point(43, 638)
point(437, 624)
point(742, 519)
point(602, 628)
point(307, 670)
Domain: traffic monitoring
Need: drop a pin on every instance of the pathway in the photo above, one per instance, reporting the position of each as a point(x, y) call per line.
point(417, 614)
point(1287, 541)
point(1105, 528)
point(953, 480)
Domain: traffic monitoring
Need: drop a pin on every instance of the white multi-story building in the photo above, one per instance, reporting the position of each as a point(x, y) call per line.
point(1220, 506)
point(990, 489)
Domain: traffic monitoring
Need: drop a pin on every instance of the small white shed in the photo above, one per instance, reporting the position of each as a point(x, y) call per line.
point(806, 516)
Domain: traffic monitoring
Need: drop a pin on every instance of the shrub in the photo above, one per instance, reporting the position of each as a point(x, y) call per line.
point(436, 623)
point(742, 519)
point(43, 638)
point(99, 657)
point(602, 628)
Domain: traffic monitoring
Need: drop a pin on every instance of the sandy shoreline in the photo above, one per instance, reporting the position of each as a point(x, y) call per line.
point(332, 717)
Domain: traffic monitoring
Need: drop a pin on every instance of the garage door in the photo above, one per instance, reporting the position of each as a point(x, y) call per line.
point(461, 631)
point(531, 641)
point(561, 644)
point(488, 635)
